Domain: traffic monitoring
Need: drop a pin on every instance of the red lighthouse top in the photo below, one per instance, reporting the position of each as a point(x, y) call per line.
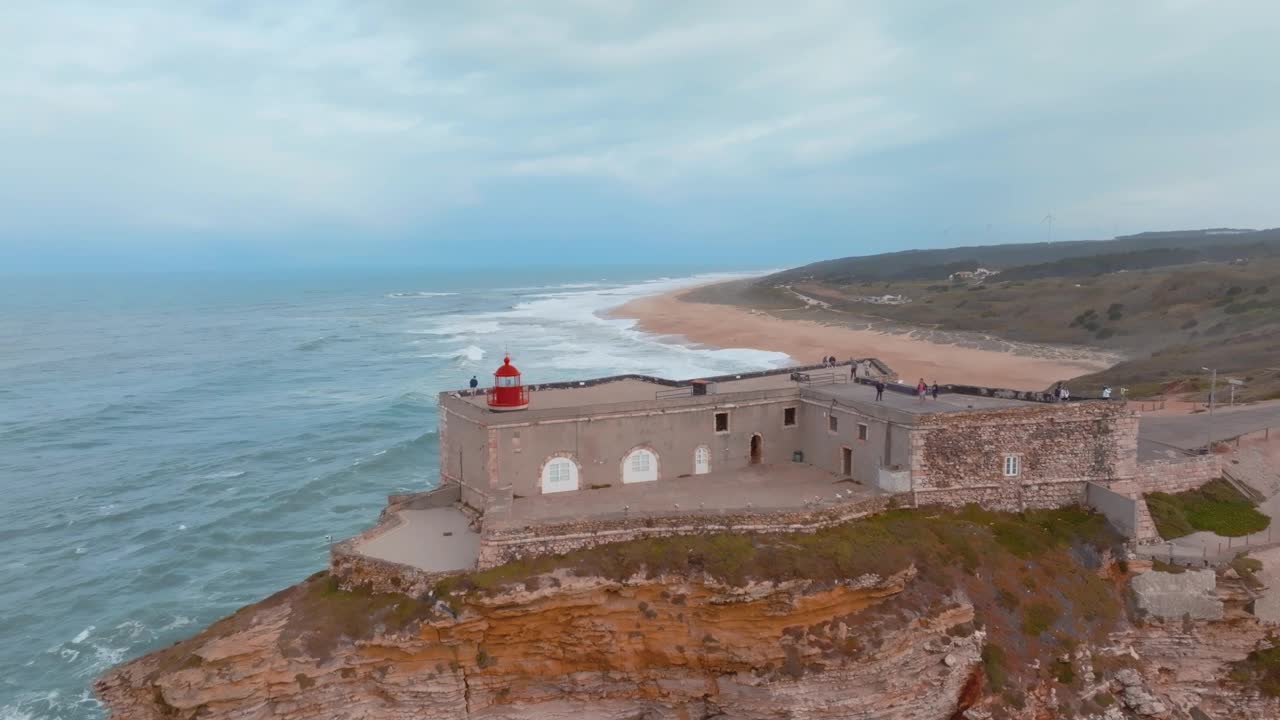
point(507, 393)
point(507, 369)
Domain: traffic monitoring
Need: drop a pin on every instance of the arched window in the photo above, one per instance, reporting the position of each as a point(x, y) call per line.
point(640, 465)
point(559, 475)
point(702, 460)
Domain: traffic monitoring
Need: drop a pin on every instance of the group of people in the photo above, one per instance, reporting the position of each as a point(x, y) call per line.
point(922, 390)
point(1061, 393)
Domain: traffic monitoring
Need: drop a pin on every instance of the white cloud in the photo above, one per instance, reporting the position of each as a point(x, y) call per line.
point(268, 116)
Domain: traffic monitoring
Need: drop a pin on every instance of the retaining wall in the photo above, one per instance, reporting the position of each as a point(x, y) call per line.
point(501, 546)
point(1174, 476)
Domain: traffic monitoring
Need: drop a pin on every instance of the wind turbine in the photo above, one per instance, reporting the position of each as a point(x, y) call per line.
point(1048, 222)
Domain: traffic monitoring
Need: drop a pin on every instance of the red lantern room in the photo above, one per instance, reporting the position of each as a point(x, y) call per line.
point(507, 393)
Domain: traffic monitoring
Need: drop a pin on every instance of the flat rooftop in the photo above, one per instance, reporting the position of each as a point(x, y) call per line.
point(631, 389)
point(779, 487)
point(624, 392)
point(858, 394)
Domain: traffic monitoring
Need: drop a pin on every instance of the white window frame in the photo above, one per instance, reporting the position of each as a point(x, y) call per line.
point(701, 468)
point(632, 472)
point(560, 474)
point(1012, 465)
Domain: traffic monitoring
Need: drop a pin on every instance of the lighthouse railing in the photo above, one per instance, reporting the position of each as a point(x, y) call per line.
point(520, 395)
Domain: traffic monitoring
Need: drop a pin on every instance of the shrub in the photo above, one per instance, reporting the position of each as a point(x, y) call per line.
point(1261, 669)
point(1216, 507)
point(993, 664)
point(1038, 617)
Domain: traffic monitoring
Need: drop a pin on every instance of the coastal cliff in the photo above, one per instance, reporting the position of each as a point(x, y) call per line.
point(1009, 626)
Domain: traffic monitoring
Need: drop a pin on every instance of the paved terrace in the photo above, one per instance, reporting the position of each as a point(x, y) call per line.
point(434, 539)
point(781, 487)
point(864, 397)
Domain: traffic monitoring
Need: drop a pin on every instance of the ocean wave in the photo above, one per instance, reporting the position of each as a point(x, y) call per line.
point(317, 343)
point(420, 294)
point(225, 475)
point(461, 326)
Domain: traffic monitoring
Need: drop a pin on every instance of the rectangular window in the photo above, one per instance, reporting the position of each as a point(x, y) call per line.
point(559, 473)
point(862, 431)
point(789, 417)
point(1012, 465)
point(640, 462)
point(722, 422)
point(833, 424)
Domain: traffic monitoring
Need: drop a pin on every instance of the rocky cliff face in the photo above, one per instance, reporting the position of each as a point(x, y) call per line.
point(588, 648)
point(986, 621)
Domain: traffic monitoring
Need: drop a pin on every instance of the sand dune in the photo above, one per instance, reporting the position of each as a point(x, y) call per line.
point(807, 342)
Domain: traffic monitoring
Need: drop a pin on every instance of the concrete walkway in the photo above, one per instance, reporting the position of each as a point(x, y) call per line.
point(1189, 431)
point(434, 540)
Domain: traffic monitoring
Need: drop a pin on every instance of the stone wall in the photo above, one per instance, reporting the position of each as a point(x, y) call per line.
point(1175, 476)
point(501, 546)
point(959, 458)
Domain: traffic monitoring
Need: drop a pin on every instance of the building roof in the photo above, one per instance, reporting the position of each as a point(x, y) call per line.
point(507, 369)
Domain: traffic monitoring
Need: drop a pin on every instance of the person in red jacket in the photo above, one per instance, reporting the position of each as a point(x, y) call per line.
point(921, 388)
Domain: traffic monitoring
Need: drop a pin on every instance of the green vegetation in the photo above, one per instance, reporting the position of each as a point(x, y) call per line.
point(1216, 507)
point(1247, 568)
point(994, 664)
point(884, 544)
point(1260, 669)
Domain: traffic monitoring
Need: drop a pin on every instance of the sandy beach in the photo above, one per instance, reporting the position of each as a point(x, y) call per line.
point(728, 326)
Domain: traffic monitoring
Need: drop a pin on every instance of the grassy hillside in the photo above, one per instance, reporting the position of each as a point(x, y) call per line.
point(1169, 302)
point(1147, 250)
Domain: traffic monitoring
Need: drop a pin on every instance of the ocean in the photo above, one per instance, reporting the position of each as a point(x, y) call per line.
point(173, 447)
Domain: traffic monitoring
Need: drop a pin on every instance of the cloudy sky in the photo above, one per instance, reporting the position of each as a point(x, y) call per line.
point(213, 135)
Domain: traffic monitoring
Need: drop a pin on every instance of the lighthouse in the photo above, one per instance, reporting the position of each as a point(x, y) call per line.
point(507, 392)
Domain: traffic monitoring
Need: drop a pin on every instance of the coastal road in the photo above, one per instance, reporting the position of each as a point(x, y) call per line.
point(1189, 431)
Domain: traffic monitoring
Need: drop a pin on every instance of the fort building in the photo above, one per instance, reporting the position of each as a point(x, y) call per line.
point(548, 468)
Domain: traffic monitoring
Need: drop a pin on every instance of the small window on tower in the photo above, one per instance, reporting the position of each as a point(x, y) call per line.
point(862, 431)
point(789, 417)
point(833, 423)
point(722, 422)
point(1012, 465)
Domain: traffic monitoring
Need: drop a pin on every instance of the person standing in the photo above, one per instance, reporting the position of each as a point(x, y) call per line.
point(474, 382)
point(934, 389)
point(879, 390)
point(1106, 392)
point(920, 389)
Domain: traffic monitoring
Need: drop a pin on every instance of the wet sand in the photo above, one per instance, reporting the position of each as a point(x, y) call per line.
point(729, 326)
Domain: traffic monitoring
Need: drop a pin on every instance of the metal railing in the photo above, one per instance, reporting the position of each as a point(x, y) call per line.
point(521, 393)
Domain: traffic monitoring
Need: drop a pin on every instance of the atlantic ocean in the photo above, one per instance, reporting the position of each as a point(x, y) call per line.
point(175, 446)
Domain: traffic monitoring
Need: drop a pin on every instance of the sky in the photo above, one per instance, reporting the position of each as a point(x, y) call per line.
point(314, 133)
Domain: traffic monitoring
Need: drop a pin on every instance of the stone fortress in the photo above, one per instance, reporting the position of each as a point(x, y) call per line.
point(532, 470)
